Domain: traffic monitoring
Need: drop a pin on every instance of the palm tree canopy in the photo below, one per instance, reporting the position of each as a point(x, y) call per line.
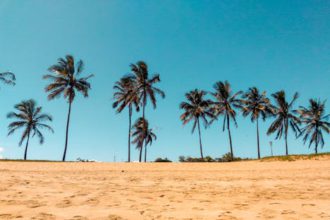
point(142, 133)
point(315, 120)
point(225, 101)
point(256, 104)
point(8, 78)
point(29, 116)
point(196, 107)
point(65, 79)
point(285, 115)
point(145, 85)
point(125, 94)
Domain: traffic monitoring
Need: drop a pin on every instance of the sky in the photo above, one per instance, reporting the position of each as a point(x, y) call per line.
point(272, 45)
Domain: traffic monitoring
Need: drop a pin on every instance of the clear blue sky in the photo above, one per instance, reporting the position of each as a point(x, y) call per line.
point(269, 44)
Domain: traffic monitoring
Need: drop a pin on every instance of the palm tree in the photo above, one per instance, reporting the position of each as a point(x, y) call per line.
point(8, 78)
point(124, 96)
point(31, 119)
point(196, 108)
point(224, 104)
point(256, 104)
point(285, 117)
point(142, 135)
point(145, 85)
point(315, 121)
point(65, 80)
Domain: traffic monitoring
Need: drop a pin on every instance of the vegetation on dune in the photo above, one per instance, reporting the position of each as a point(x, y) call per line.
point(295, 157)
point(164, 160)
point(225, 158)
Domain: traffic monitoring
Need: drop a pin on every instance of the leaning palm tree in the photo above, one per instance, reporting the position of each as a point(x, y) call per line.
point(316, 121)
point(285, 117)
point(125, 96)
point(225, 103)
point(65, 80)
point(256, 104)
point(145, 87)
point(31, 119)
point(8, 78)
point(143, 135)
point(196, 108)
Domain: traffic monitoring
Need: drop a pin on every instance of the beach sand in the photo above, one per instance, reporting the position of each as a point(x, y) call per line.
point(239, 190)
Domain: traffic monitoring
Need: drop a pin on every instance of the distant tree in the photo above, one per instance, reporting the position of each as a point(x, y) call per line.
point(142, 135)
point(196, 108)
point(8, 78)
point(225, 104)
point(285, 117)
point(126, 96)
point(256, 104)
point(31, 119)
point(315, 121)
point(65, 80)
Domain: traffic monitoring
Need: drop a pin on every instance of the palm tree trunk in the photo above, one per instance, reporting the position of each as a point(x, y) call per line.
point(258, 139)
point(129, 132)
point(145, 153)
point(316, 145)
point(230, 142)
point(143, 116)
point(200, 139)
point(67, 132)
point(26, 146)
point(140, 156)
point(286, 139)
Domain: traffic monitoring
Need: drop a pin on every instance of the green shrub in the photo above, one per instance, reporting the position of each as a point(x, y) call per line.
point(159, 159)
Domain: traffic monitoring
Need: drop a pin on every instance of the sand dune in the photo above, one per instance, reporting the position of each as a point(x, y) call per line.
point(242, 190)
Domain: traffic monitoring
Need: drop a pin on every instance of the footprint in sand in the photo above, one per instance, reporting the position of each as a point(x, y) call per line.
point(65, 203)
point(44, 216)
point(114, 217)
point(285, 212)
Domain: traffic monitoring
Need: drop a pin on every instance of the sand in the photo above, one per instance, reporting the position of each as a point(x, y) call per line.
point(240, 190)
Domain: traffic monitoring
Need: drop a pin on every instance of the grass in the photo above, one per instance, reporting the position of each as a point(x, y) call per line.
point(295, 157)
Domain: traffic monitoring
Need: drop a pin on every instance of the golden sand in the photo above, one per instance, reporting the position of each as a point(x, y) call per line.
point(240, 190)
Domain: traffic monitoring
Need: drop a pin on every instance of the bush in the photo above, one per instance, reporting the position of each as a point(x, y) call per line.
point(159, 159)
point(225, 158)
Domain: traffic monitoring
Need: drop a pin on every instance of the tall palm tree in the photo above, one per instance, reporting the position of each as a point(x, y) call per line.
point(125, 96)
point(225, 103)
point(145, 85)
point(8, 78)
point(196, 108)
point(315, 120)
point(143, 135)
point(31, 119)
point(256, 104)
point(65, 80)
point(285, 117)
